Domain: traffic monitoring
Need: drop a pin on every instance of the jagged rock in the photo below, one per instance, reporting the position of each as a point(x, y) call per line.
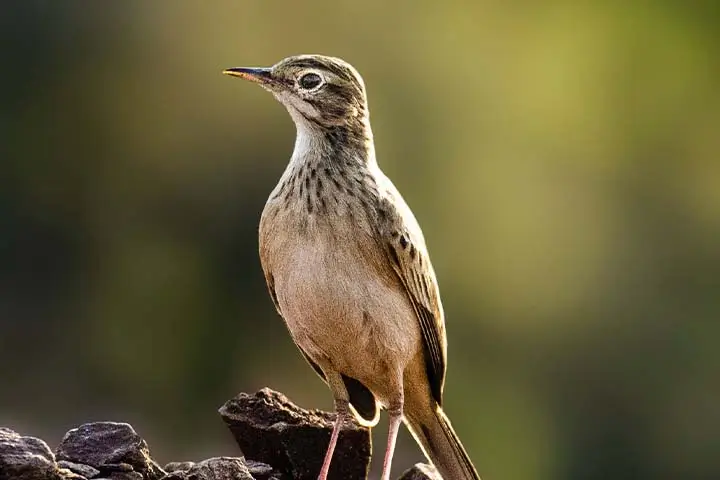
point(271, 429)
point(27, 458)
point(421, 471)
point(218, 468)
point(112, 448)
point(81, 469)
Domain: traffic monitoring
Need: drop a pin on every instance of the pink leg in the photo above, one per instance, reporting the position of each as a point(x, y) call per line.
point(341, 414)
point(395, 418)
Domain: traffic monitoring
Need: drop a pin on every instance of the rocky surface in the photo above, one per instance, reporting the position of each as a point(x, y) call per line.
point(279, 441)
point(219, 468)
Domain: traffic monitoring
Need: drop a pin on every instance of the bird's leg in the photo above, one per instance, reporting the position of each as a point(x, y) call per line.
point(342, 410)
point(395, 415)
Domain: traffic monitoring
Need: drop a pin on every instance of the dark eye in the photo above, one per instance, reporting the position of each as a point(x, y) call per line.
point(310, 81)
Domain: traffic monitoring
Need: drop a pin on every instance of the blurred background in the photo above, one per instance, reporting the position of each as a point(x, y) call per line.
point(562, 157)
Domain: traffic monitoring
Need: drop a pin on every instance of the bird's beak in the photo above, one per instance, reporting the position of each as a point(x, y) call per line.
point(262, 76)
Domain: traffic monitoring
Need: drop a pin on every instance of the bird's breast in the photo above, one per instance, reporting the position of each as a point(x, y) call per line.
point(336, 291)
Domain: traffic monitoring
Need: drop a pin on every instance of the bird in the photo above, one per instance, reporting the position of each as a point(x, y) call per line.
point(348, 269)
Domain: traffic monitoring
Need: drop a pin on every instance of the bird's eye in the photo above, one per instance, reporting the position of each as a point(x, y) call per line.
point(310, 81)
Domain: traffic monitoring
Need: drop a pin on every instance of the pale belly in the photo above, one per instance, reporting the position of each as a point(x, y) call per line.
point(343, 313)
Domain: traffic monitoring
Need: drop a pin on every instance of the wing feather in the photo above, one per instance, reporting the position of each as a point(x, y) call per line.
point(402, 240)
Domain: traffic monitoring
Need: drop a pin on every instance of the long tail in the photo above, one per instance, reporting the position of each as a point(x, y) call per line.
point(431, 428)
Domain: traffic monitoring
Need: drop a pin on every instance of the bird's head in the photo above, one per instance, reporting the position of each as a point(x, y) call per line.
point(318, 91)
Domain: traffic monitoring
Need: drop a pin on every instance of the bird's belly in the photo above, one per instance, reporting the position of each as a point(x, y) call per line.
point(344, 313)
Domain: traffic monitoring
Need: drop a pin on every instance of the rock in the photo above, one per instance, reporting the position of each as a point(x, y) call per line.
point(112, 448)
point(178, 466)
point(219, 468)
point(421, 471)
point(258, 470)
point(122, 476)
point(271, 429)
point(263, 471)
point(81, 469)
point(26, 458)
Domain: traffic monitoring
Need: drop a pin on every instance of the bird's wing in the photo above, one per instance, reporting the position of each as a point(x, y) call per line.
point(404, 245)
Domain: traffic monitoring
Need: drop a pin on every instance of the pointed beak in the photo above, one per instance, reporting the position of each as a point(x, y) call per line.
point(262, 76)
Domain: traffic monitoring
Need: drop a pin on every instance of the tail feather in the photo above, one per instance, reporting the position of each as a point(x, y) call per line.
point(433, 431)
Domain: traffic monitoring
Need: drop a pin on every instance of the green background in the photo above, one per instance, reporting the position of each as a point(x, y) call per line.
point(563, 158)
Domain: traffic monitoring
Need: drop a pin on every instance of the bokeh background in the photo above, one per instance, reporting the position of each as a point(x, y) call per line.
point(563, 158)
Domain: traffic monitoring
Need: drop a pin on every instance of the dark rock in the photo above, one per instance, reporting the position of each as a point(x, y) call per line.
point(421, 471)
point(112, 448)
point(118, 475)
point(271, 429)
point(117, 467)
point(263, 471)
point(219, 468)
point(26, 458)
point(81, 469)
point(178, 466)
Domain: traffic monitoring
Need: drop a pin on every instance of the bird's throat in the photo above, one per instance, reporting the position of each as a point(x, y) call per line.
point(330, 172)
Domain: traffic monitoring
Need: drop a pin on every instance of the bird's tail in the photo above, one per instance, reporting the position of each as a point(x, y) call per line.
point(431, 428)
